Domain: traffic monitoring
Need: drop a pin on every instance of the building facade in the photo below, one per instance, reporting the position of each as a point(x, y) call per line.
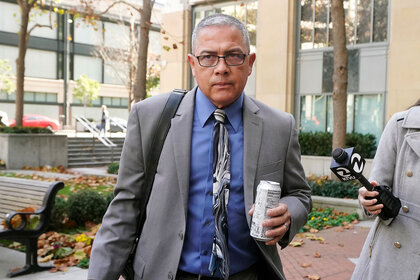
point(294, 66)
point(292, 72)
point(57, 57)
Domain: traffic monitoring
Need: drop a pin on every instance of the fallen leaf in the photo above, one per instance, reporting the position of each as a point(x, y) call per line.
point(356, 221)
point(313, 277)
point(340, 244)
point(338, 229)
point(349, 226)
point(46, 259)
point(317, 255)
point(313, 230)
point(305, 265)
point(297, 243)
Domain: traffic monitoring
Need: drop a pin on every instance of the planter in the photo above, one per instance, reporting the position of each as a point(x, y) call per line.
point(320, 166)
point(19, 150)
point(339, 204)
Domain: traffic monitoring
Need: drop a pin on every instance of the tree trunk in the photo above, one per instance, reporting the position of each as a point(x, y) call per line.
point(340, 74)
point(140, 82)
point(25, 9)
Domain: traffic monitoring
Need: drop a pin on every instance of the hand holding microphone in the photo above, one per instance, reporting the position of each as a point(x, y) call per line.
point(348, 165)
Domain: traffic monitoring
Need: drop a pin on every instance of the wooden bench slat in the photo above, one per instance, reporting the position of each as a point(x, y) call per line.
point(23, 193)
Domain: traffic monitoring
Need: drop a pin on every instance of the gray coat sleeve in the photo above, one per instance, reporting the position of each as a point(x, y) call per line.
point(115, 237)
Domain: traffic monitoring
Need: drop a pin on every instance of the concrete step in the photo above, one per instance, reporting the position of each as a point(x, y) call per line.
point(84, 163)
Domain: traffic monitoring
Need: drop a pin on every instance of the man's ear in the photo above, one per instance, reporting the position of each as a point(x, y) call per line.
point(251, 61)
point(192, 62)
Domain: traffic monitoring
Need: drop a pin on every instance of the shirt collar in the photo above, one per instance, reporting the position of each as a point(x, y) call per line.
point(205, 109)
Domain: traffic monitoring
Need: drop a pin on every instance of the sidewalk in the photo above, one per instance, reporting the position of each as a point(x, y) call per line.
point(336, 254)
point(334, 258)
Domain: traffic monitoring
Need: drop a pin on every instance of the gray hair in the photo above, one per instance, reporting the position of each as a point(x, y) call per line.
point(220, 20)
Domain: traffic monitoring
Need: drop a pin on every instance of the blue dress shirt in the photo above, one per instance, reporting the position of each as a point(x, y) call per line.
point(199, 233)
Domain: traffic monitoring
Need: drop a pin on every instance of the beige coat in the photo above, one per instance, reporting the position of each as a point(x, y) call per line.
point(392, 248)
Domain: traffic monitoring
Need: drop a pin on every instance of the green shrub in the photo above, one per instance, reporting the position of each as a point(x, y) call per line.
point(326, 187)
point(59, 213)
point(320, 143)
point(365, 144)
point(113, 168)
point(86, 206)
point(24, 129)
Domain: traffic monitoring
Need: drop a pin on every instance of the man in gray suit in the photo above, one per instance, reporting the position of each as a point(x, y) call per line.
point(177, 237)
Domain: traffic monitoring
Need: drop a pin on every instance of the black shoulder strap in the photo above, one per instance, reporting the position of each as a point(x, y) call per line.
point(152, 160)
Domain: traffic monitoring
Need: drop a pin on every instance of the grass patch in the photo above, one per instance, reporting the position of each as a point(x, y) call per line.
point(323, 218)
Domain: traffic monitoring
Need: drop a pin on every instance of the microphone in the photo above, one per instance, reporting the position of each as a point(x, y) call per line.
point(348, 165)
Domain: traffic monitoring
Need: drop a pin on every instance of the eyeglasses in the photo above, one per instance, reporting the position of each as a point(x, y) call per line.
point(211, 60)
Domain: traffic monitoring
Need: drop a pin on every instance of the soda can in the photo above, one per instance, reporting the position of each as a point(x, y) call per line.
point(268, 196)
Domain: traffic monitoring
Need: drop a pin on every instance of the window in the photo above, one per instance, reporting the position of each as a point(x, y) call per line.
point(87, 33)
point(364, 113)
point(45, 59)
point(33, 97)
point(116, 35)
point(366, 21)
point(90, 66)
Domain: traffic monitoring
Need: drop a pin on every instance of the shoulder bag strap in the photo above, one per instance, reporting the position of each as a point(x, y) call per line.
point(152, 161)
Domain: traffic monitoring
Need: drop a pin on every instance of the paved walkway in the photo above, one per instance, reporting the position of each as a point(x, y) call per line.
point(332, 259)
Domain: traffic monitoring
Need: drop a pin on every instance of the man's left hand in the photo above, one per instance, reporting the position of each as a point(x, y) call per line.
point(279, 222)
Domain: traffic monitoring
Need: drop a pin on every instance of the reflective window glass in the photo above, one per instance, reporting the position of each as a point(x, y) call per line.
point(306, 24)
point(350, 17)
point(28, 96)
point(40, 97)
point(313, 113)
point(321, 13)
point(380, 20)
point(124, 102)
point(35, 58)
point(251, 21)
point(90, 66)
point(116, 35)
point(115, 101)
point(106, 100)
point(368, 114)
point(51, 97)
point(87, 33)
point(363, 21)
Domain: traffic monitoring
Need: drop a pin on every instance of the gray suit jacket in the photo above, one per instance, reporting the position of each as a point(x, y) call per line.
point(271, 152)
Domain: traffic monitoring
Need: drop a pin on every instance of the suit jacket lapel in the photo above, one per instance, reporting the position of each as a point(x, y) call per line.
point(253, 125)
point(181, 129)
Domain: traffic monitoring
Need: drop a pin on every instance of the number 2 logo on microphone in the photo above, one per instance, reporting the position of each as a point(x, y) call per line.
point(357, 163)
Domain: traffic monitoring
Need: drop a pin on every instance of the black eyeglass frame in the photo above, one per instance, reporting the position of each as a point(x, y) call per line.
point(219, 57)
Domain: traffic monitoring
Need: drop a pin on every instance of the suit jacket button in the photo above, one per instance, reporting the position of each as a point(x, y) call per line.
point(409, 173)
point(405, 209)
point(397, 244)
point(181, 235)
point(170, 276)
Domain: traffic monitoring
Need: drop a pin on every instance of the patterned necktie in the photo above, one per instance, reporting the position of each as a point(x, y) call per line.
point(221, 183)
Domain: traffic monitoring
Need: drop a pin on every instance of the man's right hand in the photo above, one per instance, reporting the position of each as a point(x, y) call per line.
point(369, 204)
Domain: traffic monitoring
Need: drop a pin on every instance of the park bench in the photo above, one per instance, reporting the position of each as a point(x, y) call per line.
point(17, 194)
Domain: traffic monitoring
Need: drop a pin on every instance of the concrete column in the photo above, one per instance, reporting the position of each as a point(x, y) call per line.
point(404, 56)
point(275, 64)
point(176, 24)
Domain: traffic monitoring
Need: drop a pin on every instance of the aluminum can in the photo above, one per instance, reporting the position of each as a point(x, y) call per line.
point(268, 196)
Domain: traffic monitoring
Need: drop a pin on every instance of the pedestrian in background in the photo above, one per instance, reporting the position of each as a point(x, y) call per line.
point(198, 227)
point(392, 248)
point(104, 126)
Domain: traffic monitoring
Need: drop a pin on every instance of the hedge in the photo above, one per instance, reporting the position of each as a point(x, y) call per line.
point(320, 143)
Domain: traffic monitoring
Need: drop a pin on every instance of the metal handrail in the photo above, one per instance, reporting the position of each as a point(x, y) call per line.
point(95, 131)
point(117, 123)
